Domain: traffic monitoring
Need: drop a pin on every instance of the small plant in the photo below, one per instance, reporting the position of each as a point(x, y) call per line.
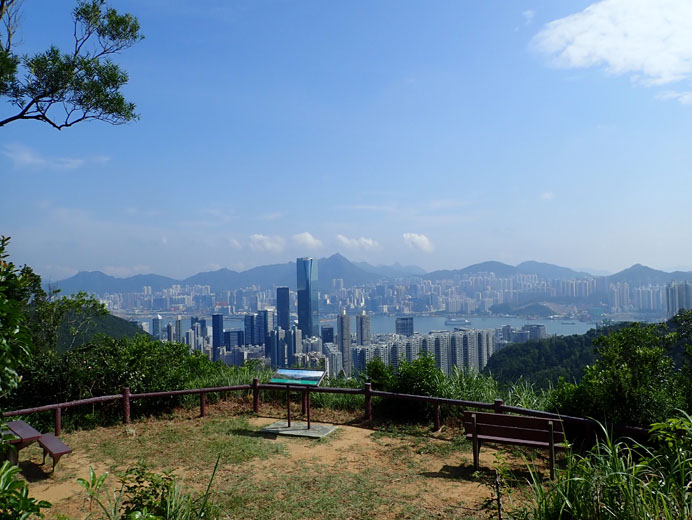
point(15, 503)
point(145, 495)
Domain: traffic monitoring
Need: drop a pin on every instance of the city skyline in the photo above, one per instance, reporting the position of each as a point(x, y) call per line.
point(435, 135)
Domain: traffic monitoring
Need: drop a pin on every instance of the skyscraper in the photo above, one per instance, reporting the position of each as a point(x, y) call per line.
point(249, 329)
point(363, 329)
point(404, 325)
point(308, 312)
point(343, 328)
point(264, 323)
point(156, 326)
point(327, 334)
point(179, 330)
point(283, 308)
point(217, 336)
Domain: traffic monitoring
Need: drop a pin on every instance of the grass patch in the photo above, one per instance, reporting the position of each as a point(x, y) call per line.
point(314, 491)
point(190, 443)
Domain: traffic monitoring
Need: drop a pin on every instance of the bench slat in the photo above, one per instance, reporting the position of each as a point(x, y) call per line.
point(517, 442)
point(53, 445)
point(519, 433)
point(517, 421)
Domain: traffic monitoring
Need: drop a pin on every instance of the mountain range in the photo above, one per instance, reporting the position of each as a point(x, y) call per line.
point(352, 273)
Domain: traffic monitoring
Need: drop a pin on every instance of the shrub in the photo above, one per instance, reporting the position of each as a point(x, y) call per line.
point(633, 381)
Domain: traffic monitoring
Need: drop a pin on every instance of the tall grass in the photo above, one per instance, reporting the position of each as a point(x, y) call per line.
point(621, 480)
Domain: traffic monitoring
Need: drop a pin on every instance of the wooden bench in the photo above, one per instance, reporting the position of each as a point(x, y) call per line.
point(53, 446)
point(24, 434)
point(521, 430)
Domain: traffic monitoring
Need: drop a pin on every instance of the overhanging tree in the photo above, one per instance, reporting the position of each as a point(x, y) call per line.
point(65, 88)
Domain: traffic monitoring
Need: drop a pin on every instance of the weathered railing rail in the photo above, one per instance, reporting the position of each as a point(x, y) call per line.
point(588, 426)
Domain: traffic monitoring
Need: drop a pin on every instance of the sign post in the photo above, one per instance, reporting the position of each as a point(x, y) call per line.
point(297, 377)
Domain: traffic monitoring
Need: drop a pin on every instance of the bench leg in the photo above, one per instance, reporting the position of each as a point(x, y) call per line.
point(55, 458)
point(12, 455)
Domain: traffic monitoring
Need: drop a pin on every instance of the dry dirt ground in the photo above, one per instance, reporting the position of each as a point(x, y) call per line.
point(381, 471)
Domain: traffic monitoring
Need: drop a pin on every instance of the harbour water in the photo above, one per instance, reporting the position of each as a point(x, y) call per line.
point(381, 324)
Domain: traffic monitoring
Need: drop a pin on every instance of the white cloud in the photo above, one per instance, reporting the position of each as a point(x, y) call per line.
point(528, 16)
point(651, 40)
point(418, 241)
point(547, 195)
point(25, 157)
point(357, 243)
point(684, 98)
point(265, 243)
point(234, 243)
point(307, 241)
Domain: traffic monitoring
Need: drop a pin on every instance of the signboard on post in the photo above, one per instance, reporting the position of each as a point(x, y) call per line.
point(291, 376)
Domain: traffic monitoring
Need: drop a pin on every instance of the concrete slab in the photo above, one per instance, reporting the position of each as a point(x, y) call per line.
point(299, 429)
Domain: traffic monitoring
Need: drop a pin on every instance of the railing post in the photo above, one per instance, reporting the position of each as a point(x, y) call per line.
point(202, 404)
point(126, 405)
point(308, 397)
point(58, 421)
point(438, 423)
point(255, 395)
point(368, 401)
point(497, 405)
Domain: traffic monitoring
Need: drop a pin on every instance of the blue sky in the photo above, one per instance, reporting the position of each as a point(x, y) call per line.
point(432, 133)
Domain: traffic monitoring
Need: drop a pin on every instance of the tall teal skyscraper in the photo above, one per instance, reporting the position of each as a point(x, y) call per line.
point(308, 312)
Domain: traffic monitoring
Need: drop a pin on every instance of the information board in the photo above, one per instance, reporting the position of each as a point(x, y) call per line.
point(296, 376)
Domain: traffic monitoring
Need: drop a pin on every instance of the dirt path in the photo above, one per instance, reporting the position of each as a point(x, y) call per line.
point(424, 470)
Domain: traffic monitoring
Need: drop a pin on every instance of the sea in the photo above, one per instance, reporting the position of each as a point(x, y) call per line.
point(382, 324)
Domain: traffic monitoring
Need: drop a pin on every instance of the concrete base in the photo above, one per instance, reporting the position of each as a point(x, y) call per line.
point(299, 429)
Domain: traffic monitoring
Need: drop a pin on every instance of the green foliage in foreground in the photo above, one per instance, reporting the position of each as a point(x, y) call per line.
point(621, 481)
point(106, 365)
point(15, 503)
point(16, 287)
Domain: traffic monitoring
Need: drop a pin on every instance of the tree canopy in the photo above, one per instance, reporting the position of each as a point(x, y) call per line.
point(65, 88)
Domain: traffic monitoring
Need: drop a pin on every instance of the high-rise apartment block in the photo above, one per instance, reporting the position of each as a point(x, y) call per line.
point(308, 311)
point(678, 297)
point(283, 308)
point(217, 336)
point(362, 329)
point(343, 329)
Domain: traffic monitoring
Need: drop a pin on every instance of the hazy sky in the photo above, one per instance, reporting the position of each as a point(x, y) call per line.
point(432, 133)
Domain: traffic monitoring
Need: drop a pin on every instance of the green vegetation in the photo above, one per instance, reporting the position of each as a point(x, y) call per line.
point(633, 380)
point(623, 481)
point(62, 89)
point(543, 362)
point(15, 502)
point(145, 495)
point(106, 365)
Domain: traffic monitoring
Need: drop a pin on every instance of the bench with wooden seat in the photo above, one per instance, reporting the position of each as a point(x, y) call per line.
point(24, 435)
point(521, 430)
point(54, 447)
